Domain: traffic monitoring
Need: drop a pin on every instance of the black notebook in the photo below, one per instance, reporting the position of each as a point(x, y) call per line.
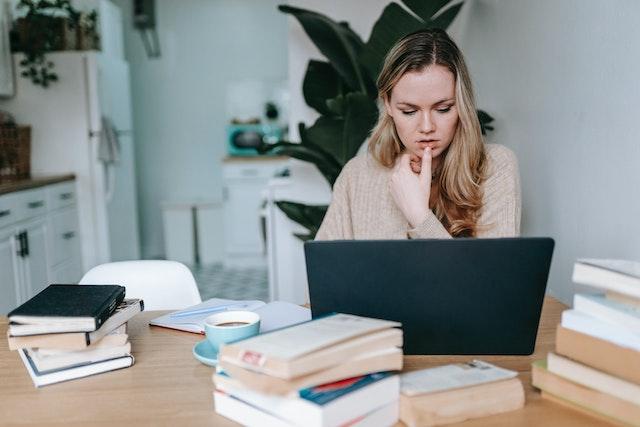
point(66, 308)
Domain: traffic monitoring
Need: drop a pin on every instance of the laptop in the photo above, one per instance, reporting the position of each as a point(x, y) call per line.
point(455, 296)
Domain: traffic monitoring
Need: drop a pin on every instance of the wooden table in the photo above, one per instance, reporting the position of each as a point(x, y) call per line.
point(167, 386)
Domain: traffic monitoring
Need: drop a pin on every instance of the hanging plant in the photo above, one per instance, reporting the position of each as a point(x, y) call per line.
point(49, 25)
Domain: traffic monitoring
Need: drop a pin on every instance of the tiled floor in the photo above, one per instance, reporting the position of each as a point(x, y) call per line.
point(215, 281)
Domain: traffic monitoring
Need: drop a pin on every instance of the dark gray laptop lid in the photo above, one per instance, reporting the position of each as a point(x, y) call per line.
point(455, 296)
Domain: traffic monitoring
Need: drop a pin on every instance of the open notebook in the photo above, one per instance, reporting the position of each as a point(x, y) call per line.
point(274, 315)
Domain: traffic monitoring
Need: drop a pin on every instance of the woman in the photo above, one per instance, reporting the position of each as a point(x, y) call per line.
point(428, 173)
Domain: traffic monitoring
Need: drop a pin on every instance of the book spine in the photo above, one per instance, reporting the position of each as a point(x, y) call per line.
point(107, 310)
point(584, 397)
point(606, 356)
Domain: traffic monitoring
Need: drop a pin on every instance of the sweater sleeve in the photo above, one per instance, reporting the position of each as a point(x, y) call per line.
point(430, 228)
point(337, 222)
point(500, 216)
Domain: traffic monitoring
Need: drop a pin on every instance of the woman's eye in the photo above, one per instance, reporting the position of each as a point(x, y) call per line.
point(444, 110)
point(409, 113)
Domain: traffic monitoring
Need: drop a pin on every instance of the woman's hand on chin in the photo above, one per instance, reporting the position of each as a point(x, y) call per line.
point(410, 189)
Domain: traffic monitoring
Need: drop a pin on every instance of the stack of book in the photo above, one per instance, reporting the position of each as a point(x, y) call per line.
point(596, 365)
point(73, 331)
point(331, 371)
point(458, 392)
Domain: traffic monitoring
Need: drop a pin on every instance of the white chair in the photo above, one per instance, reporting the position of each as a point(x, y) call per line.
point(163, 285)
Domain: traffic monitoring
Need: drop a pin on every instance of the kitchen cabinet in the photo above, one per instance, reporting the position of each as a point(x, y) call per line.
point(245, 181)
point(286, 262)
point(39, 241)
point(9, 272)
point(33, 259)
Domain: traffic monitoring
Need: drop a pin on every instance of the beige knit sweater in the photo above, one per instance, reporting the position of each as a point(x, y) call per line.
point(362, 206)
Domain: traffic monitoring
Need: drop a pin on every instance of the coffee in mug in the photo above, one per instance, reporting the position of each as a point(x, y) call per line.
point(232, 324)
point(228, 326)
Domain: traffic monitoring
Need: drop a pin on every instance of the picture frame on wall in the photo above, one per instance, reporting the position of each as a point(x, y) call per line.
point(7, 88)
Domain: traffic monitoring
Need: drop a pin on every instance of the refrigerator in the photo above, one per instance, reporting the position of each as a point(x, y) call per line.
point(66, 121)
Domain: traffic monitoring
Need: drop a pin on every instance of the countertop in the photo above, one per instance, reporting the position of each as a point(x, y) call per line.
point(246, 159)
point(34, 182)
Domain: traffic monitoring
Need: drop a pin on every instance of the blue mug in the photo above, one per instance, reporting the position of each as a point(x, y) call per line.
point(229, 326)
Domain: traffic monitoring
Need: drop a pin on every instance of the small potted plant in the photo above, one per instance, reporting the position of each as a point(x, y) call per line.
point(50, 25)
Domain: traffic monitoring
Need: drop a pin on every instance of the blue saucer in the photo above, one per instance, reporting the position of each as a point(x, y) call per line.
point(204, 352)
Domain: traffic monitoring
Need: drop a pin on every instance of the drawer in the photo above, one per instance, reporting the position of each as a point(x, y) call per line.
point(31, 203)
point(64, 235)
point(61, 195)
point(8, 210)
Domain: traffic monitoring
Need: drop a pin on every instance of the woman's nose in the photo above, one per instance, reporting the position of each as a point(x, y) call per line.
point(426, 123)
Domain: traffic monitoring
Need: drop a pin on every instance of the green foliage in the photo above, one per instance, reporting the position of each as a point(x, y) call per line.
point(343, 89)
point(43, 29)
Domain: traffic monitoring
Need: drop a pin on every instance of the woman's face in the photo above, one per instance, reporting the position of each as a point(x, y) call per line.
point(423, 108)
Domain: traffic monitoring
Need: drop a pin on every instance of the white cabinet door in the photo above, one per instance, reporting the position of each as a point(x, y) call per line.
point(69, 272)
point(8, 272)
point(242, 231)
point(35, 261)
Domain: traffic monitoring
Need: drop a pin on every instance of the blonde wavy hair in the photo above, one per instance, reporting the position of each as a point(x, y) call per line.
point(458, 197)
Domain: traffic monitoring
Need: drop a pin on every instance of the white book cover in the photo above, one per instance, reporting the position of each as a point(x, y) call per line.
point(335, 403)
point(592, 378)
point(291, 343)
point(250, 416)
point(41, 379)
point(621, 276)
point(600, 307)
point(453, 376)
point(51, 362)
point(589, 325)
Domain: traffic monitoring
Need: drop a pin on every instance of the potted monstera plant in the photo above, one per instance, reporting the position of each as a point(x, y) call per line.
point(342, 89)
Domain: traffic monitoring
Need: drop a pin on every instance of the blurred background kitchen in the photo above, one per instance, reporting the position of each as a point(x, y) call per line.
point(128, 131)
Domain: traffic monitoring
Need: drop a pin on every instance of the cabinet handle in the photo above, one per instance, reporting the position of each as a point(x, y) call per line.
point(35, 205)
point(5, 212)
point(68, 235)
point(66, 196)
point(18, 238)
point(23, 249)
point(26, 243)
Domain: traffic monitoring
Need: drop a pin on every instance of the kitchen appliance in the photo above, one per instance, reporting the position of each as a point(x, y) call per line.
point(243, 139)
point(66, 121)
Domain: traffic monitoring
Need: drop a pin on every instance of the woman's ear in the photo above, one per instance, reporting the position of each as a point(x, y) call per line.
point(387, 106)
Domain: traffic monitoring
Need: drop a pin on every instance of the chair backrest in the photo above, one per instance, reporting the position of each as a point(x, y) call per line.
point(163, 285)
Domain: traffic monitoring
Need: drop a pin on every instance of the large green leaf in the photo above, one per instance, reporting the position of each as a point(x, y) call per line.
point(327, 165)
point(309, 216)
point(446, 18)
point(321, 82)
point(337, 42)
point(361, 116)
point(327, 133)
point(485, 120)
point(394, 23)
point(425, 9)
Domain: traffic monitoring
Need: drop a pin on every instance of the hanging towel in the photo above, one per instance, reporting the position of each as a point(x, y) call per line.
point(109, 145)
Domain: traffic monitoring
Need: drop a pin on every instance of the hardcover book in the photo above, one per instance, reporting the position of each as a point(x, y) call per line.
point(311, 346)
point(66, 308)
point(116, 323)
point(330, 404)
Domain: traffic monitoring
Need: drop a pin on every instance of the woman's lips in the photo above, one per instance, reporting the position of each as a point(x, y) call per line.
point(429, 144)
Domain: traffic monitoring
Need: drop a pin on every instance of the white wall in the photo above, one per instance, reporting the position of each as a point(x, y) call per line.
point(562, 80)
point(179, 99)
